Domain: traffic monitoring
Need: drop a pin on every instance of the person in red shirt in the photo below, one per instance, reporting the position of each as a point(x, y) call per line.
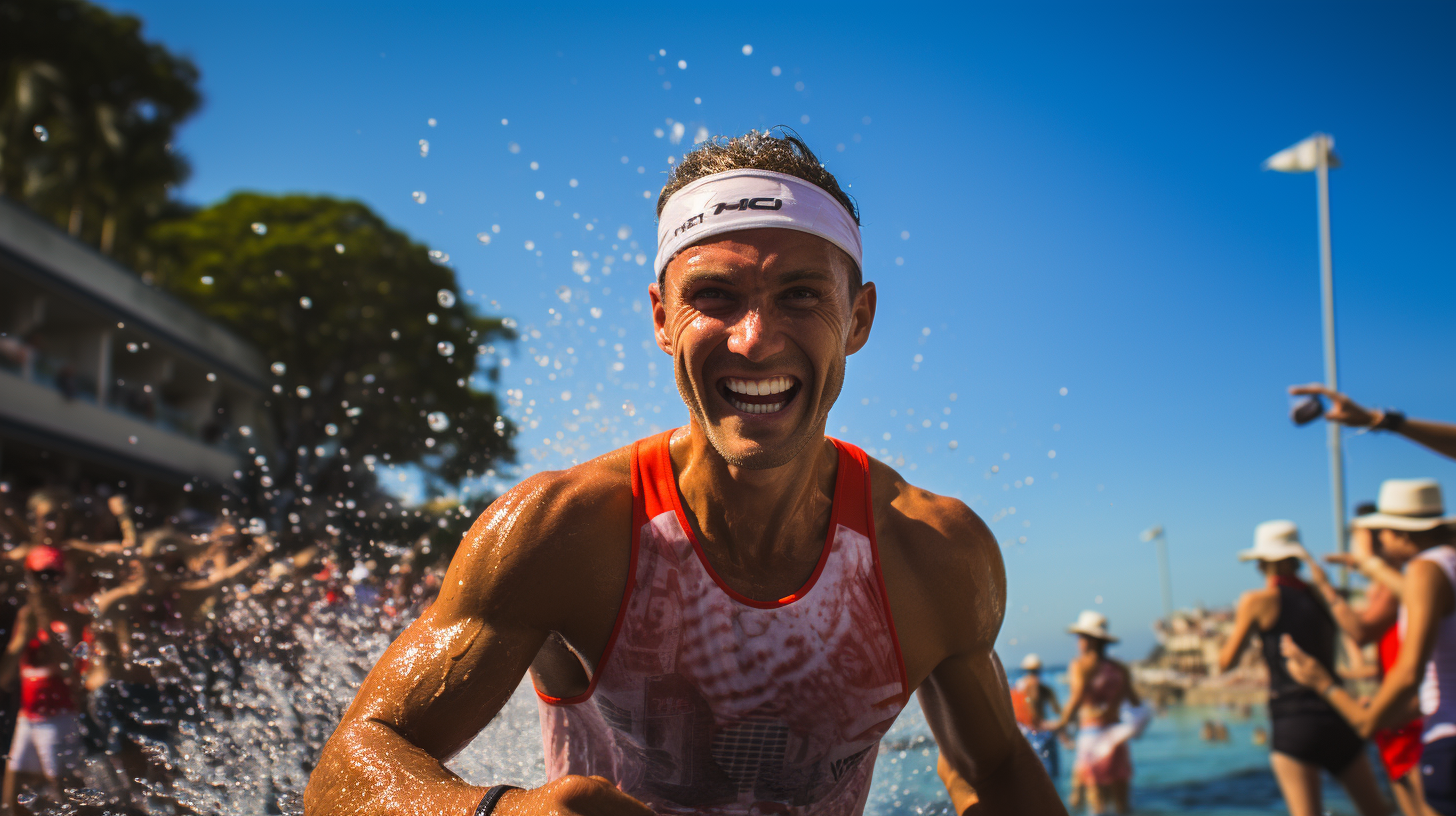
point(46, 751)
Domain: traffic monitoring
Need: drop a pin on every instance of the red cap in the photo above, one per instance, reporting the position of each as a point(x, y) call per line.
point(44, 557)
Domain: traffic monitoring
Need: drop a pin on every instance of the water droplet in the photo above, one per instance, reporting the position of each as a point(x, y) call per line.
point(682, 64)
point(564, 293)
point(747, 50)
point(776, 70)
point(206, 280)
point(303, 391)
point(596, 312)
point(418, 196)
point(483, 237)
point(439, 257)
point(279, 369)
point(331, 429)
point(513, 147)
point(432, 318)
point(42, 134)
point(260, 228)
point(244, 430)
point(431, 121)
point(540, 195)
point(339, 248)
point(1063, 391)
point(132, 439)
point(438, 421)
point(530, 245)
point(629, 408)
point(446, 298)
point(445, 347)
point(27, 799)
point(306, 302)
point(624, 232)
point(132, 347)
point(148, 661)
point(424, 148)
point(572, 183)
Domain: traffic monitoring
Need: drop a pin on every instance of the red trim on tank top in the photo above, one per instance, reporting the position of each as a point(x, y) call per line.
point(869, 514)
point(665, 471)
point(639, 520)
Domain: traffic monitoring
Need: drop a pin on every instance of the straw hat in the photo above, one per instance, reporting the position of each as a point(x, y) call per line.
point(1093, 625)
point(1409, 505)
point(1031, 663)
point(1274, 541)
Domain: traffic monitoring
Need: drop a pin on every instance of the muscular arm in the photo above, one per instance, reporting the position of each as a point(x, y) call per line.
point(516, 578)
point(965, 697)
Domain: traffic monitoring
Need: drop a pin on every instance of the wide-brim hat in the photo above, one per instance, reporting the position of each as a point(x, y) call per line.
point(1031, 662)
point(1093, 625)
point(1409, 505)
point(1274, 541)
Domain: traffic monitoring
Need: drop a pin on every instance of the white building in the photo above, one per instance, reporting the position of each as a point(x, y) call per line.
point(103, 377)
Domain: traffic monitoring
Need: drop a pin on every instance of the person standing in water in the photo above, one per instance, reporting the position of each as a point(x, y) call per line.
point(1032, 699)
point(1308, 735)
point(1411, 525)
point(724, 618)
point(1099, 687)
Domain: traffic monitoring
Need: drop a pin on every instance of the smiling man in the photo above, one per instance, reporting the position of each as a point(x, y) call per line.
point(725, 618)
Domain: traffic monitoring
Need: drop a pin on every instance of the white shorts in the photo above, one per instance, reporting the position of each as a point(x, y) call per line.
point(50, 746)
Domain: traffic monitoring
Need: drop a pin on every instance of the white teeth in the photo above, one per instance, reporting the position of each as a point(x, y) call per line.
point(765, 387)
point(751, 408)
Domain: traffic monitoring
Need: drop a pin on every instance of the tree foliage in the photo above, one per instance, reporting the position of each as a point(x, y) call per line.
point(88, 112)
point(378, 348)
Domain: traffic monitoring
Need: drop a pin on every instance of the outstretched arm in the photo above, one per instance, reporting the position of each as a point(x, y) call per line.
point(509, 586)
point(1438, 436)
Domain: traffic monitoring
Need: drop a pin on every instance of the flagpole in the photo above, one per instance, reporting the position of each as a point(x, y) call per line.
point(1332, 379)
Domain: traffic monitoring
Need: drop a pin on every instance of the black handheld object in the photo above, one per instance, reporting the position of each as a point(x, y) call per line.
point(1307, 410)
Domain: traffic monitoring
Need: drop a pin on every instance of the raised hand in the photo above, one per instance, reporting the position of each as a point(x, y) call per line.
point(1342, 409)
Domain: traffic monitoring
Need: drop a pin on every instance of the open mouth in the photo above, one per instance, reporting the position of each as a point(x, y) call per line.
point(768, 395)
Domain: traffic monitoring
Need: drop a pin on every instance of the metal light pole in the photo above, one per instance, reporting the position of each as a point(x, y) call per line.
point(1155, 534)
point(1317, 153)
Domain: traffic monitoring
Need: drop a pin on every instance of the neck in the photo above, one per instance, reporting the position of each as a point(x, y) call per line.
point(755, 518)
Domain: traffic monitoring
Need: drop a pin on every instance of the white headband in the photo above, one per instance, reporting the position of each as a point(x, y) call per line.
point(750, 199)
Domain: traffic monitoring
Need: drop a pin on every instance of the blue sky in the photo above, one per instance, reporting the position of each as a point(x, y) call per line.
point(1063, 195)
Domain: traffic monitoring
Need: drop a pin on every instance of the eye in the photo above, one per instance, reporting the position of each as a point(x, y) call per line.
point(801, 293)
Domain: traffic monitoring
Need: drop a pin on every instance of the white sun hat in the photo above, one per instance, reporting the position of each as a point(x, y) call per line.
point(1407, 504)
point(1274, 541)
point(1031, 662)
point(1092, 624)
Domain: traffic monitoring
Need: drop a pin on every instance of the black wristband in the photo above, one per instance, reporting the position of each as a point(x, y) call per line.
point(491, 797)
point(1391, 420)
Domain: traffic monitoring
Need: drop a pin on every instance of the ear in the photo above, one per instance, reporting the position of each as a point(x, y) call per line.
point(659, 319)
point(862, 317)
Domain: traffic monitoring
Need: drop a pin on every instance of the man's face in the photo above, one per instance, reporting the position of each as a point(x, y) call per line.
point(759, 323)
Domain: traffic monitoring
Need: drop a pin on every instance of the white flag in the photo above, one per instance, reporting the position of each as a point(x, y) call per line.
point(1304, 157)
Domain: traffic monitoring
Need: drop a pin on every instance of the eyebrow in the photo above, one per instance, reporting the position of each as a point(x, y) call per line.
point(792, 276)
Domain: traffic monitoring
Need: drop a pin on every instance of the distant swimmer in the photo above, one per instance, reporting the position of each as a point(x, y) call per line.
point(1099, 688)
point(1411, 526)
point(724, 618)
point(1308, 735)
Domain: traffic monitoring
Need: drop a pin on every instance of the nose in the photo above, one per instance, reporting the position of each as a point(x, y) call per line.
point(754, 336)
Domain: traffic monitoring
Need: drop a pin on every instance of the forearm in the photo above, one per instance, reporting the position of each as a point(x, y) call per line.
point(1019, 786)
point(1438, 436)
point(369, 768)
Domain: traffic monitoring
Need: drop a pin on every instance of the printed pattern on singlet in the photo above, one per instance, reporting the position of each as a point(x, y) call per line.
point(1438, 686)
point(709, 702)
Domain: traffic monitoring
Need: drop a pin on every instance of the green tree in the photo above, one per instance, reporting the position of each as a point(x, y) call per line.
point(374, 349)
point(88, 112)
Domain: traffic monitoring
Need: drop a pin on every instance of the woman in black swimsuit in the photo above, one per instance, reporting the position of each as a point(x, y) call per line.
point(1309, 735)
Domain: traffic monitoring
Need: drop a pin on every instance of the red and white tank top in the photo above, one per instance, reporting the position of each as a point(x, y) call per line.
point(44, 691)
point(706, 701)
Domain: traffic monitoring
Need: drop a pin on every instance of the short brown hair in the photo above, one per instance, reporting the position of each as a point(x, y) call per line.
point(781, 153)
